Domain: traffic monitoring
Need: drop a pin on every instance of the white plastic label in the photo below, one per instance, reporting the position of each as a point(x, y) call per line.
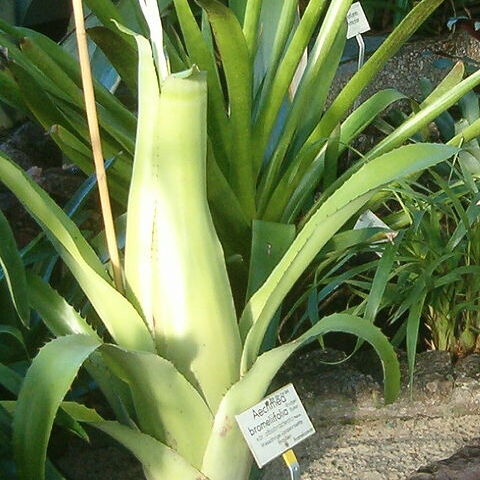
point(369, 220)
point(275, 425)
point(356, 20)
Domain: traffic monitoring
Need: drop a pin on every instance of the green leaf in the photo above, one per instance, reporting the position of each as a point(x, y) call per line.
point(401, 8)
point(119, 51)
point(60, 317)
point(179, 302)
point(9, 92)
point(350, 238)
point(159, 462)
point(65, 419)
point(467, 134)
point(237, 67)
point(226, 439)
point(319, 61)
point(231, 224)
point(473, 212)
point(141, 209)
point(116, 111)
point(119, 316)
point(292, 189)
point(353, 325)
point(326, 221)
point(425, 116)
point(115, 138)
point(81, 413)
point(362, 116)
point(323, 85)
point(10, 9)
point(380, 280)
point(413, 326)
point(10, 379)
point(456, 202)
point(58, 75)
point(470, 107)
point(16, 334)
point(79, 153)
point(74, 148)
point(47, 381)
point(332, 153)
point(238, 7)
point(99, 241)
point(305, 170)
point(14, 271)
point(204, 58)
point(269, 243)
point(454, 77)
point(37, 57)
point(107, 12)
point(166, 404)
point(115, 391)
point(251, 23)
point(275, 96)
point(69, 129)
point(276, 23)
point(374, 64)
point(413, 125)
point(39, 102)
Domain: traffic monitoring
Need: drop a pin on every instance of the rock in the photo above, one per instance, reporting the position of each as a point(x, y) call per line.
point(468, 367)
point(464, 465)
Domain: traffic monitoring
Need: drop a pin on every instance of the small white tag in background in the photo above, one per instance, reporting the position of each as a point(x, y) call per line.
point(275, 425)
point(369, 220)
point(357, 21)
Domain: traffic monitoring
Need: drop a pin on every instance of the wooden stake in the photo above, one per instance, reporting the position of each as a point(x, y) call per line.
point(92, 119)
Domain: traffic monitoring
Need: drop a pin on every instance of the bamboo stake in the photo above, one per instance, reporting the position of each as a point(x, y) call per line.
point(92, 119)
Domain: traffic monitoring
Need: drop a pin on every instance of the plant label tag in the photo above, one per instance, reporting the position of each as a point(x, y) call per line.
point(369, 220)
point(357, 22)
point(275, 425)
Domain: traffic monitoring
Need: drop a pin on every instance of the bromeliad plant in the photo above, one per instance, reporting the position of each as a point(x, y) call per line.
point(170, 353)
point(272, 144)
point(273, 147)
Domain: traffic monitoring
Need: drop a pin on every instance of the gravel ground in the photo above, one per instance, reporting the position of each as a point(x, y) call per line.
point(430, 59)
point(358, 438)
point(388, 449)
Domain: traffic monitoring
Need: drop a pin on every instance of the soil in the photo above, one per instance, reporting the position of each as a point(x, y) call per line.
point(33, 150)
